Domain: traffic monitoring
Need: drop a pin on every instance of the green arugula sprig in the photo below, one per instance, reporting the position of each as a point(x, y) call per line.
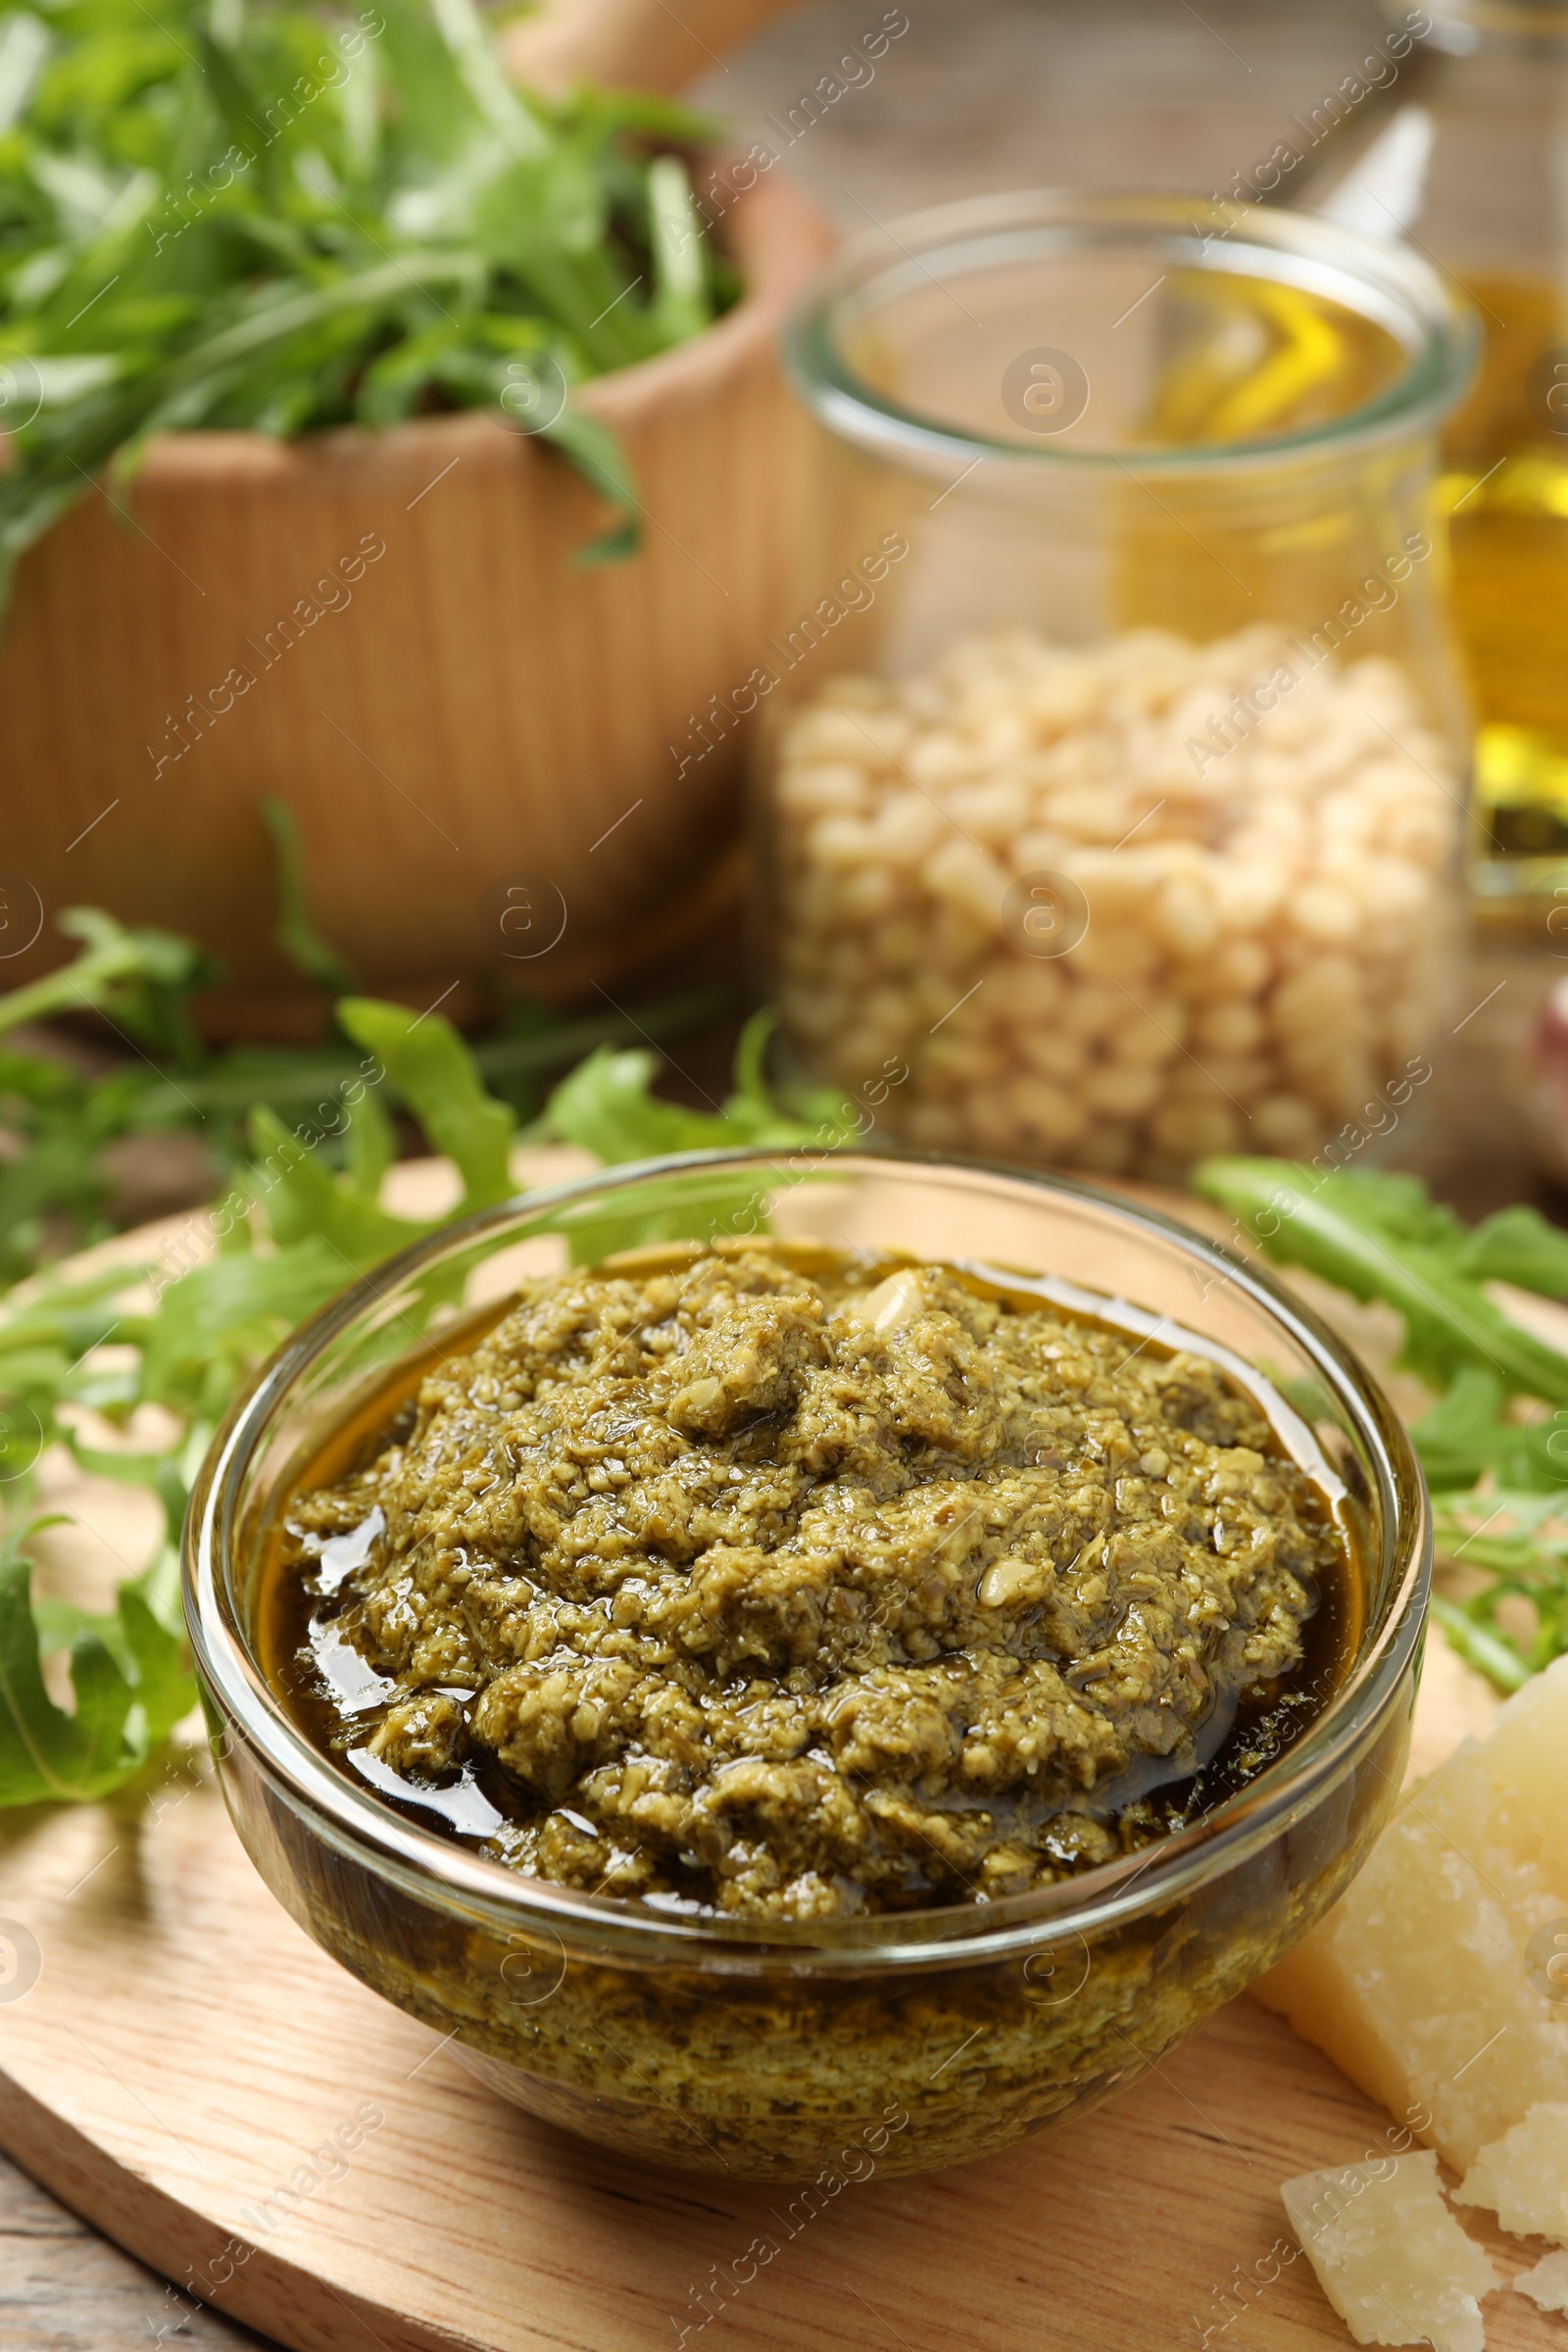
point(53, 1188)
point(232, 213)
point(1382, 1236)
point(129, 1674)
point(1498, 1485)
point(141, 979)
point(55, 1181)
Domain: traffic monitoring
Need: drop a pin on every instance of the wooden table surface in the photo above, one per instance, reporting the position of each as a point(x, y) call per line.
point(977, 95)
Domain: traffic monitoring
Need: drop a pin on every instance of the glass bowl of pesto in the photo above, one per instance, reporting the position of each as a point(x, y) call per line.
point(861, 1685)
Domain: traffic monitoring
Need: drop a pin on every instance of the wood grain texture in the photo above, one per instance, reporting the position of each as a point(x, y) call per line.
point(65, 2288)
point(466, 707)
point(185, 2054)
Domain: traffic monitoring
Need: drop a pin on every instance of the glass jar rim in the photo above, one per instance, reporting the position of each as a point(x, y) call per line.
point(1436, 326)
point(358, 1824)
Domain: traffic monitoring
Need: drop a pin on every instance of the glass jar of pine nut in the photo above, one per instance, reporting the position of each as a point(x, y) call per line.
point(1112, 774)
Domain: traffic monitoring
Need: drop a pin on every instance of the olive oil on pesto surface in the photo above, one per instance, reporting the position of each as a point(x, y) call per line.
point(786, 1584)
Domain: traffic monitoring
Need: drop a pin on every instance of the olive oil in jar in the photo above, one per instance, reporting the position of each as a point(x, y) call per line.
point(1505, 484)
point(1469, 171)
point(1238, 358)
point(1201, 359)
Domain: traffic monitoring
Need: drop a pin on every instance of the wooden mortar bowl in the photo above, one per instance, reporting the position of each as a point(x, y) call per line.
point(456, 713)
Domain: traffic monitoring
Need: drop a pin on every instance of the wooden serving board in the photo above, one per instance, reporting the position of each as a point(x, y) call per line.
point(175, 2054)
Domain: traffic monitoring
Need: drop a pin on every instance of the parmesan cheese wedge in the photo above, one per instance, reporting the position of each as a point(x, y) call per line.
point(1439, 1980)
point(1389, 2254)
point(1547, 2284)
point(1523, 2177)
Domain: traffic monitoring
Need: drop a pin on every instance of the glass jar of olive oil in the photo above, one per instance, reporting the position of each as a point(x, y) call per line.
point(1473, 169)
point(1115, 763)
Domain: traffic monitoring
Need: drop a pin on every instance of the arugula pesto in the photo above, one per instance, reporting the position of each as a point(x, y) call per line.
point(799, 1589)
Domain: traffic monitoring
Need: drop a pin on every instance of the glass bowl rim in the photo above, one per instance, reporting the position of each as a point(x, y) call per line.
point(361, 1828)
point(1423, 391)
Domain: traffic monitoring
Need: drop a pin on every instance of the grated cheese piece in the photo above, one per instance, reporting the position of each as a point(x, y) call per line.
point(1389, 2254)
point(1523, 2177)
point(1547, 2284)
point(1436, 1982)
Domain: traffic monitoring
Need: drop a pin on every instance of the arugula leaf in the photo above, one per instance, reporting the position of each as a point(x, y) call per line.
point(297, 934)
point(161, 1678)
point(1518, 1245)
point(141, 977)
point(1499, 1485)
point(607, 1107)
point(306, 1200)
point(216, 1323)
point(1488, 1652)
point(372, 1146)
point(433, 1072)
point(128, 1697)
point(56, 1179)
point(687, 1205)
point(55, 1189)
point(1464, 1439)
point(1523, 1562)
point(42, 1344)
point(1381, 1237)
